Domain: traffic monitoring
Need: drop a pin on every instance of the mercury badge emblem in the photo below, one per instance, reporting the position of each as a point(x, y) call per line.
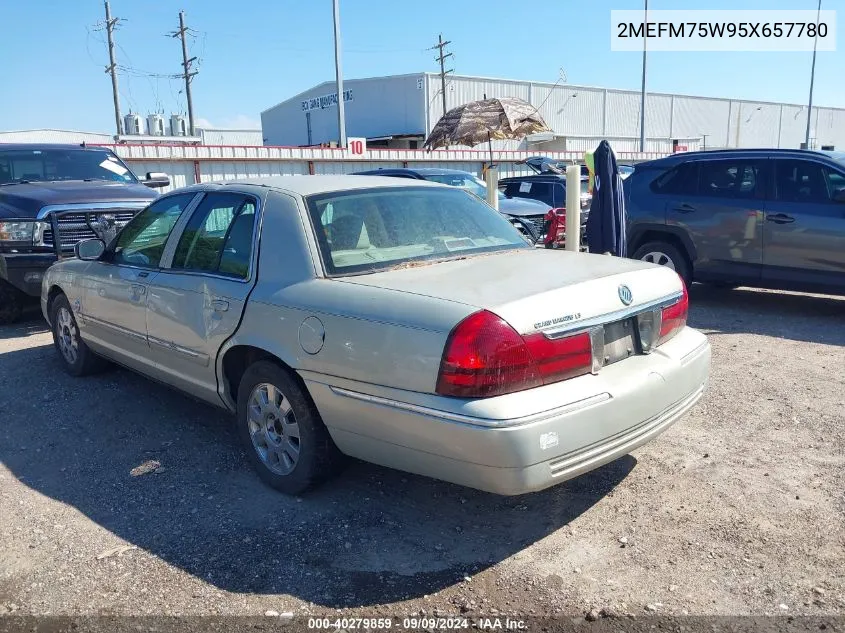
point(625, 295)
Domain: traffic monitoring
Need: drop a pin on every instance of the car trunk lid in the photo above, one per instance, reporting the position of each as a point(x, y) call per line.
point(538, 290)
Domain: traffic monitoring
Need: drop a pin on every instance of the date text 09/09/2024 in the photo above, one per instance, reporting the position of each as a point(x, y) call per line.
point(490, 623)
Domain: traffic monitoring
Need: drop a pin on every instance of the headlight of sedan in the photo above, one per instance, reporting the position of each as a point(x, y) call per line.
point(18, 231)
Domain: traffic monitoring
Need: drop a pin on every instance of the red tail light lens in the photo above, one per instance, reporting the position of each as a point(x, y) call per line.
point(486, 357)
point(674, 317)
point(559, 359)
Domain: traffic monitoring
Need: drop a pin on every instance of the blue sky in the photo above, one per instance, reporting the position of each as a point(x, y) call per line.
point(255, 53)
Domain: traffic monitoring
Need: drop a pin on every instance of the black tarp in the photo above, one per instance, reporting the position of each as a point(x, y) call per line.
point(606, 226)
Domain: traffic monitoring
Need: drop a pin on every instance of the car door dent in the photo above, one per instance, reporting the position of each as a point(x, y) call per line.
point(198, 357)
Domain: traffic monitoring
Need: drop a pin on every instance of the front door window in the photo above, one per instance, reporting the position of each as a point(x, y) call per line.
point(141, 242)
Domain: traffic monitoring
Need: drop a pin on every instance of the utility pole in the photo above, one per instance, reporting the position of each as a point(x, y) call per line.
point(112, 68)
point(341, 110)
point(642, 95)
point(187, 73)
point(443, 72)
point(813, 75)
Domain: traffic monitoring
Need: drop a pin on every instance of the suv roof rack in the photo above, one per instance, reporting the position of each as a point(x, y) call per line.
point(748, 150)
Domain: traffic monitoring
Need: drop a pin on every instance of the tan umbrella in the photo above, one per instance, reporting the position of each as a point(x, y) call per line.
point(483, 121)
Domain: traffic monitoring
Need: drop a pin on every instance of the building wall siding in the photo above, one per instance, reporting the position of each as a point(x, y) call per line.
point(379, 107)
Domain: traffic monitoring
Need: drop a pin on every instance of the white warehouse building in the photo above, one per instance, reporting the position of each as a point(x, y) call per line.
point(400, 110)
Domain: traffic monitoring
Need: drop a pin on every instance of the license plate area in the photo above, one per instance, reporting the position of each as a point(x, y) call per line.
point(620, 341)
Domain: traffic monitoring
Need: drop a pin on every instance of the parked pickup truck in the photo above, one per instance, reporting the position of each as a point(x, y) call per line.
point(82, 192)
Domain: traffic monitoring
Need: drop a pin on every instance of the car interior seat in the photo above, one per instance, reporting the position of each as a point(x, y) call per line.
point(236, 254)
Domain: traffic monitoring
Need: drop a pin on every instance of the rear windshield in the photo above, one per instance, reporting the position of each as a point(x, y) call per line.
point(372, 229)
point(50, 165)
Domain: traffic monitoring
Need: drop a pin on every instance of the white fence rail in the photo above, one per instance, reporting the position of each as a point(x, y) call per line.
point(189, 164)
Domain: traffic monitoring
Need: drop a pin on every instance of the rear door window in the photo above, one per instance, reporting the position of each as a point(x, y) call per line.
point(730, 179)
point(682, 180)
point(541, 191)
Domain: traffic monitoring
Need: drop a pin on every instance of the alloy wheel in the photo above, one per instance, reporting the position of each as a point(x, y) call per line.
point(656, 257)
point(273, 428)
point(67, 335)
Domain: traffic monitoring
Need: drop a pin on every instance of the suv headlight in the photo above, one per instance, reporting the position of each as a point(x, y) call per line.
point(17, 231)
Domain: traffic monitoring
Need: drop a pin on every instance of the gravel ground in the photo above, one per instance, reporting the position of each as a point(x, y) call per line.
point(737, 509)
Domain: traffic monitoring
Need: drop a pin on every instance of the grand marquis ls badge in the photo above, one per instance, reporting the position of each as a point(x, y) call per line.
point(625, 295)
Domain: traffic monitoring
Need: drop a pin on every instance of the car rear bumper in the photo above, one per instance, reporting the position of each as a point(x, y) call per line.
point(594, 420)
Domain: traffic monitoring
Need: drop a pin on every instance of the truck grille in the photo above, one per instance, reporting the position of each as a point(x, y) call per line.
point(539, 223)
point(73, 227)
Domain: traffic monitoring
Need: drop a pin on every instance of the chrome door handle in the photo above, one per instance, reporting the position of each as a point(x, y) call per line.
point(218, 305)
point(138, 290)
point(780, 218)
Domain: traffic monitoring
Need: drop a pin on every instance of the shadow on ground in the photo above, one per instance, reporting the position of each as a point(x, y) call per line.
point(372, 536)
point(786, 315)
point(31, 323)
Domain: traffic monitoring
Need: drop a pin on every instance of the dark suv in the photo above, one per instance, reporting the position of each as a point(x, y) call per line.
point(766, 217)
point(76, 191)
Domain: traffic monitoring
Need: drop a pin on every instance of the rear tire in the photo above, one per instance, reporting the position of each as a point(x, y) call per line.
point(665, 254)
point(76, 357)
point(11, 303)
point(282, 432)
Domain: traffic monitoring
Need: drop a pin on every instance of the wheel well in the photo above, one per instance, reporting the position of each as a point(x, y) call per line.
point(662, 236)
point(240, 357)
point(55, 291)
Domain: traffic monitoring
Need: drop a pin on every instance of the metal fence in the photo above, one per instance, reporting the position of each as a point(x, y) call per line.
point(189, 164)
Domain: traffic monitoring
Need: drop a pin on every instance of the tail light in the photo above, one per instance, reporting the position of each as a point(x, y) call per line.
point(486, 357)
point(674, 317)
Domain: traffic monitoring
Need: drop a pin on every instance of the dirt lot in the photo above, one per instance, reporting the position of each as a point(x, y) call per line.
point(738, 509)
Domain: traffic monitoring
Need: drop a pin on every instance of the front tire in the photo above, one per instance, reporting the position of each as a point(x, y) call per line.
point(11, 303)
point(282, 432)
point(665, 254)
point(76, 357)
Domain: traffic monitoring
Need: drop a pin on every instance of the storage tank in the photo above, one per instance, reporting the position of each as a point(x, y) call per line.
point(133, 124)
point(155, 125)
point(178, 125)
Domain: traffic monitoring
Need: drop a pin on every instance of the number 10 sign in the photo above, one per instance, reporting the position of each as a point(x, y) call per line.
point(356, 147)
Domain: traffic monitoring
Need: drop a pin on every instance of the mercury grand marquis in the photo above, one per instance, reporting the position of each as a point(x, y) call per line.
point(405, 324)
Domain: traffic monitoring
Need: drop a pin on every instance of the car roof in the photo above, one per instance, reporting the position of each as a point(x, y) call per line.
point(674, 159)
point(417, 171)
point(305, 185)
point(49, 146)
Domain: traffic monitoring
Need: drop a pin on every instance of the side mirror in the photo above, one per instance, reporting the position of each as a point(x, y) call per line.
point(155, 180)
point(89, 250)
point(839, 195)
